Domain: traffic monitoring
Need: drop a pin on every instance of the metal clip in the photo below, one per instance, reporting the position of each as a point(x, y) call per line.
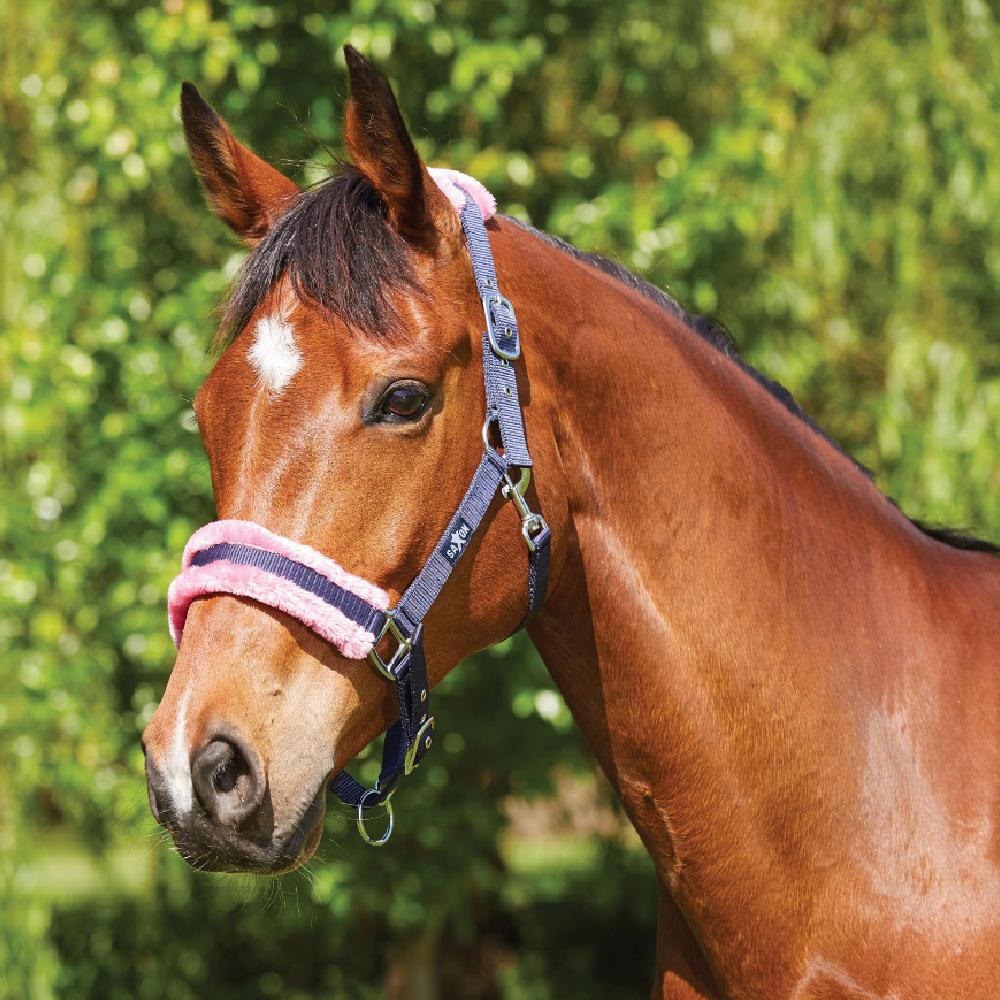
point(532, 525)
point(507, 345)
point(533, 528)
point(515, 492)
point(404, 646)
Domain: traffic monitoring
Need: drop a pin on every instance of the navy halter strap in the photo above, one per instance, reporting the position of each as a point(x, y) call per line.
point(504, 469)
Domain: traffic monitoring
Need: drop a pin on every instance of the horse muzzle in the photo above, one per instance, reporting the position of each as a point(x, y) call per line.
point(224, 820)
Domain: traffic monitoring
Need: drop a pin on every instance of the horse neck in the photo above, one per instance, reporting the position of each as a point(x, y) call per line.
point(716, 619)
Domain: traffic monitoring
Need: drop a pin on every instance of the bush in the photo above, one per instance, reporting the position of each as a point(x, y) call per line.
point(824, 180)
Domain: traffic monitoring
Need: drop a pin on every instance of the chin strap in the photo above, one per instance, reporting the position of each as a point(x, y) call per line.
point(405, 744)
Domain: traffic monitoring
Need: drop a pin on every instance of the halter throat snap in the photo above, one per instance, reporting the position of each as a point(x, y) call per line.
point(244, 558)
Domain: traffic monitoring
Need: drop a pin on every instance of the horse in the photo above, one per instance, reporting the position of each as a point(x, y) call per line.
point(792, 688)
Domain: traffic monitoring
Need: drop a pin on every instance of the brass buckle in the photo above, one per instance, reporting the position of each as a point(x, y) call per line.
point(410, 759)
point(405, 644)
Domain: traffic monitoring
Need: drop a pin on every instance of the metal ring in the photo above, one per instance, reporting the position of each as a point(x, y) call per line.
point(378, 841)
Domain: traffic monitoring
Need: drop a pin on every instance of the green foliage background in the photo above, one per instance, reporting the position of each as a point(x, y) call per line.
point(825, 178)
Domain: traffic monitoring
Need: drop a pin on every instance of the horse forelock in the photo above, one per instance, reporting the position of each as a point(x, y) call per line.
point(339, 254)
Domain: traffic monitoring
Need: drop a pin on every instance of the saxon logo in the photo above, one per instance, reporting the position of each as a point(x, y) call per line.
point(455, 543)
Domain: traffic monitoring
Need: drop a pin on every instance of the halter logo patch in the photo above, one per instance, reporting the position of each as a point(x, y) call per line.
point(454, 544)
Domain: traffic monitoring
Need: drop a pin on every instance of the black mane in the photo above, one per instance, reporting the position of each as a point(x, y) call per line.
point(339, 252)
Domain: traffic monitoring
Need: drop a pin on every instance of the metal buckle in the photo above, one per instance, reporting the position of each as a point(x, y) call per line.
point(384, 839)
point(510, 349)
point(410, 759)
point(405, 645)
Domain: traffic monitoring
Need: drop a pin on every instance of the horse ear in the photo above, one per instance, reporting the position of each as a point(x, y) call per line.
point(247, 193)
point(383, 151)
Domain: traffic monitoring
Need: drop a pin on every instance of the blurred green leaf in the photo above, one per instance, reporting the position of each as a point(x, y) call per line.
point(825, 179)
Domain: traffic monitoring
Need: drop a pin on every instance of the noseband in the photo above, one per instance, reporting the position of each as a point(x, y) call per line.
point(244, 558)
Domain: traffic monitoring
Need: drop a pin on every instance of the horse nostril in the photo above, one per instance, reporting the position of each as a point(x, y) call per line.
point(227, 780)
point(226, 775)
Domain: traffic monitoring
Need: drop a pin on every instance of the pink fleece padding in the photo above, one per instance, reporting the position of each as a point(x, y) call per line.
point(251, 533)
point(248, 581)
point(454, 183)
point(224, 577)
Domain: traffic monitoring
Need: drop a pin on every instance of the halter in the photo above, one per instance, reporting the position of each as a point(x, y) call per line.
point(244, 558)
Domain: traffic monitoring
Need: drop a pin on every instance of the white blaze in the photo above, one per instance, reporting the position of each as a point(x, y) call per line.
point(274, 354)
point(178, 764)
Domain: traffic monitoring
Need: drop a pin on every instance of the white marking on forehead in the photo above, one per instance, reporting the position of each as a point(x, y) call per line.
point(274, 354)
point(178, 764)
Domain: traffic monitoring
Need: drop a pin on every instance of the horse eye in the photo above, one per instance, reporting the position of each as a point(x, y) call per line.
point(404, 402)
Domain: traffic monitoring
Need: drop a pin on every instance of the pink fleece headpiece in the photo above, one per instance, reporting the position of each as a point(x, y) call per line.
point(456, 185)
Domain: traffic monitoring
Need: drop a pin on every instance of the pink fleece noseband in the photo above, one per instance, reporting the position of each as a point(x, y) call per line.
point(243, 558)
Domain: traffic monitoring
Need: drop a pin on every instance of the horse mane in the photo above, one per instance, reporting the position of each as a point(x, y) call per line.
point(340, 253)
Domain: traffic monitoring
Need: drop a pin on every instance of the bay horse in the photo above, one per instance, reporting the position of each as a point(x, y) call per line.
point(793, 689)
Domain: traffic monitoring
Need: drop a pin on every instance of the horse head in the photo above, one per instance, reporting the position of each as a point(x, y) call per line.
point(343, 417)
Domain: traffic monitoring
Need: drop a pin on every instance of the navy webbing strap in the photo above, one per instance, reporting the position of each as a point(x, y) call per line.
point(352, 607)
point(412, 692)
point(538, 574)
point(505, 472)
point(429, 582)
point(501, 343)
